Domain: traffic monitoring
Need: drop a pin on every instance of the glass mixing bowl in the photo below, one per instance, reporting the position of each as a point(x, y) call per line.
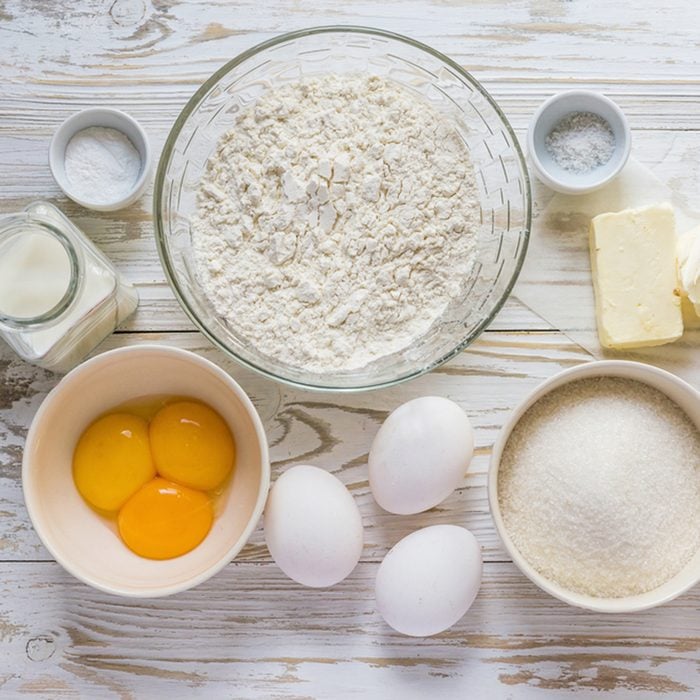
point(504, 188)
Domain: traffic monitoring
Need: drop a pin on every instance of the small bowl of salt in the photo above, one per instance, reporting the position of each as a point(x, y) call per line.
point(101, 158)
point(578, 141)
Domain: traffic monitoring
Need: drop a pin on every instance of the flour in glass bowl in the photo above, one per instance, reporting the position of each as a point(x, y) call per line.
point(336, 221)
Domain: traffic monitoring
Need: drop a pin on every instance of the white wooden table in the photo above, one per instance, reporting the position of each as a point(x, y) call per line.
point(249, 631)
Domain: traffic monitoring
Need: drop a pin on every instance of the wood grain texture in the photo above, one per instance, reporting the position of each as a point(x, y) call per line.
point(249, 632)
point(333, 431)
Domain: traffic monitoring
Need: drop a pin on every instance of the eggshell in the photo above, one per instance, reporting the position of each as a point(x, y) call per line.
point(429, 580)
point(420, 455)
point(313, 527)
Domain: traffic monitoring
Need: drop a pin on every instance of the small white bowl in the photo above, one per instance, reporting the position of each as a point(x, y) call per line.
point(88, 545)
point(545, 119)
point(112, 119)
point(677, 390)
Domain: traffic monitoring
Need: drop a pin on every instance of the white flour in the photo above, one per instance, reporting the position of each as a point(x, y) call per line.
point(336, 221)
point(102, 164)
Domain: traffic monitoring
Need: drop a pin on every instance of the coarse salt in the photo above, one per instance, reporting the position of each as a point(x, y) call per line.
point(581, 142)
point(599, 487)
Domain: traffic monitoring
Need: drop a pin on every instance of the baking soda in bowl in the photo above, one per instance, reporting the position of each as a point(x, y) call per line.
point(599, 487)
point(102, 165)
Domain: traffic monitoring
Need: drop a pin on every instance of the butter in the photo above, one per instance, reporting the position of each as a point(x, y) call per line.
point(688, 252)
point(633, 260)
point(691, 320)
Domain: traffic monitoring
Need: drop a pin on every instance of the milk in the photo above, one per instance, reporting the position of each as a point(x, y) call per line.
point(35, 272)
point(38, 274)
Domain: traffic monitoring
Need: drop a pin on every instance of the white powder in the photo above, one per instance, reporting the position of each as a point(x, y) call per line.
point(580, 142)
point(336, 221)
point(599, 487)
point(102, 165)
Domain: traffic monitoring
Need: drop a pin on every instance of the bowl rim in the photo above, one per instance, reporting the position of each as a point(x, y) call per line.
point(566, 186)
point(636, 371)
point(197, 97)
point(263, 489)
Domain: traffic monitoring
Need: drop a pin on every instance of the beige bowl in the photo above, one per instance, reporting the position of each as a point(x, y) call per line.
point(87, 545)
point(677, 390)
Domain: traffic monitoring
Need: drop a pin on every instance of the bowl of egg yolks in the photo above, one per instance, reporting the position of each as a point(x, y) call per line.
point(145, 470)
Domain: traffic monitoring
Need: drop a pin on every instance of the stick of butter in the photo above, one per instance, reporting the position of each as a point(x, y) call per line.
point(688, 252)
point(633, 260)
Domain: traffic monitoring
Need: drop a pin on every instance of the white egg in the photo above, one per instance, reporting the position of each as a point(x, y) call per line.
point(429, 580)
point(313, 527)
point(420, 455)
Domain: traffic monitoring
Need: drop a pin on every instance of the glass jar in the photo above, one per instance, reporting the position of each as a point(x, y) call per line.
point(59, 295)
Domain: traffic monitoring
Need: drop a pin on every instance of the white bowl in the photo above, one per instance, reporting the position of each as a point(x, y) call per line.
point(109, 118)
point(88, 545)
point(546, 118)
point(677, 390)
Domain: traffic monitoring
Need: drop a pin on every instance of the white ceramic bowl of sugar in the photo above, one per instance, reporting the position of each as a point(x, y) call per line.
point(550, 114)
point(86, 544)
point(680, 392)
point(105, 196)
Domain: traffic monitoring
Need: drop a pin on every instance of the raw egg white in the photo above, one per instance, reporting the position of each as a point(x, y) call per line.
point(420, 455)
point(313, 527)
point(429, 580)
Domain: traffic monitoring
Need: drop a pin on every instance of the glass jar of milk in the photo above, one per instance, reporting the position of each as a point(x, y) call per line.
point(59, 295)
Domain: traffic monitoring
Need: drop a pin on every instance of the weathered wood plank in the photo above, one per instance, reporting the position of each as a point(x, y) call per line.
point(639, 52)
point(250, 632)
point(333, 431)
point(127, 236)
point(140, 57)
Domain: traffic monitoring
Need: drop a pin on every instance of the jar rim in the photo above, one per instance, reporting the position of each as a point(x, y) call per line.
point(16, 224)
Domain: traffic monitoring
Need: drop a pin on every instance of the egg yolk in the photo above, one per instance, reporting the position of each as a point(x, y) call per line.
point(192, 445)
point(163, 520)
point(112, 460)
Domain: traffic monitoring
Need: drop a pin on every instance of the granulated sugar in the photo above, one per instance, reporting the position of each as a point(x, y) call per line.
point(599, 487)
point(581, 142)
